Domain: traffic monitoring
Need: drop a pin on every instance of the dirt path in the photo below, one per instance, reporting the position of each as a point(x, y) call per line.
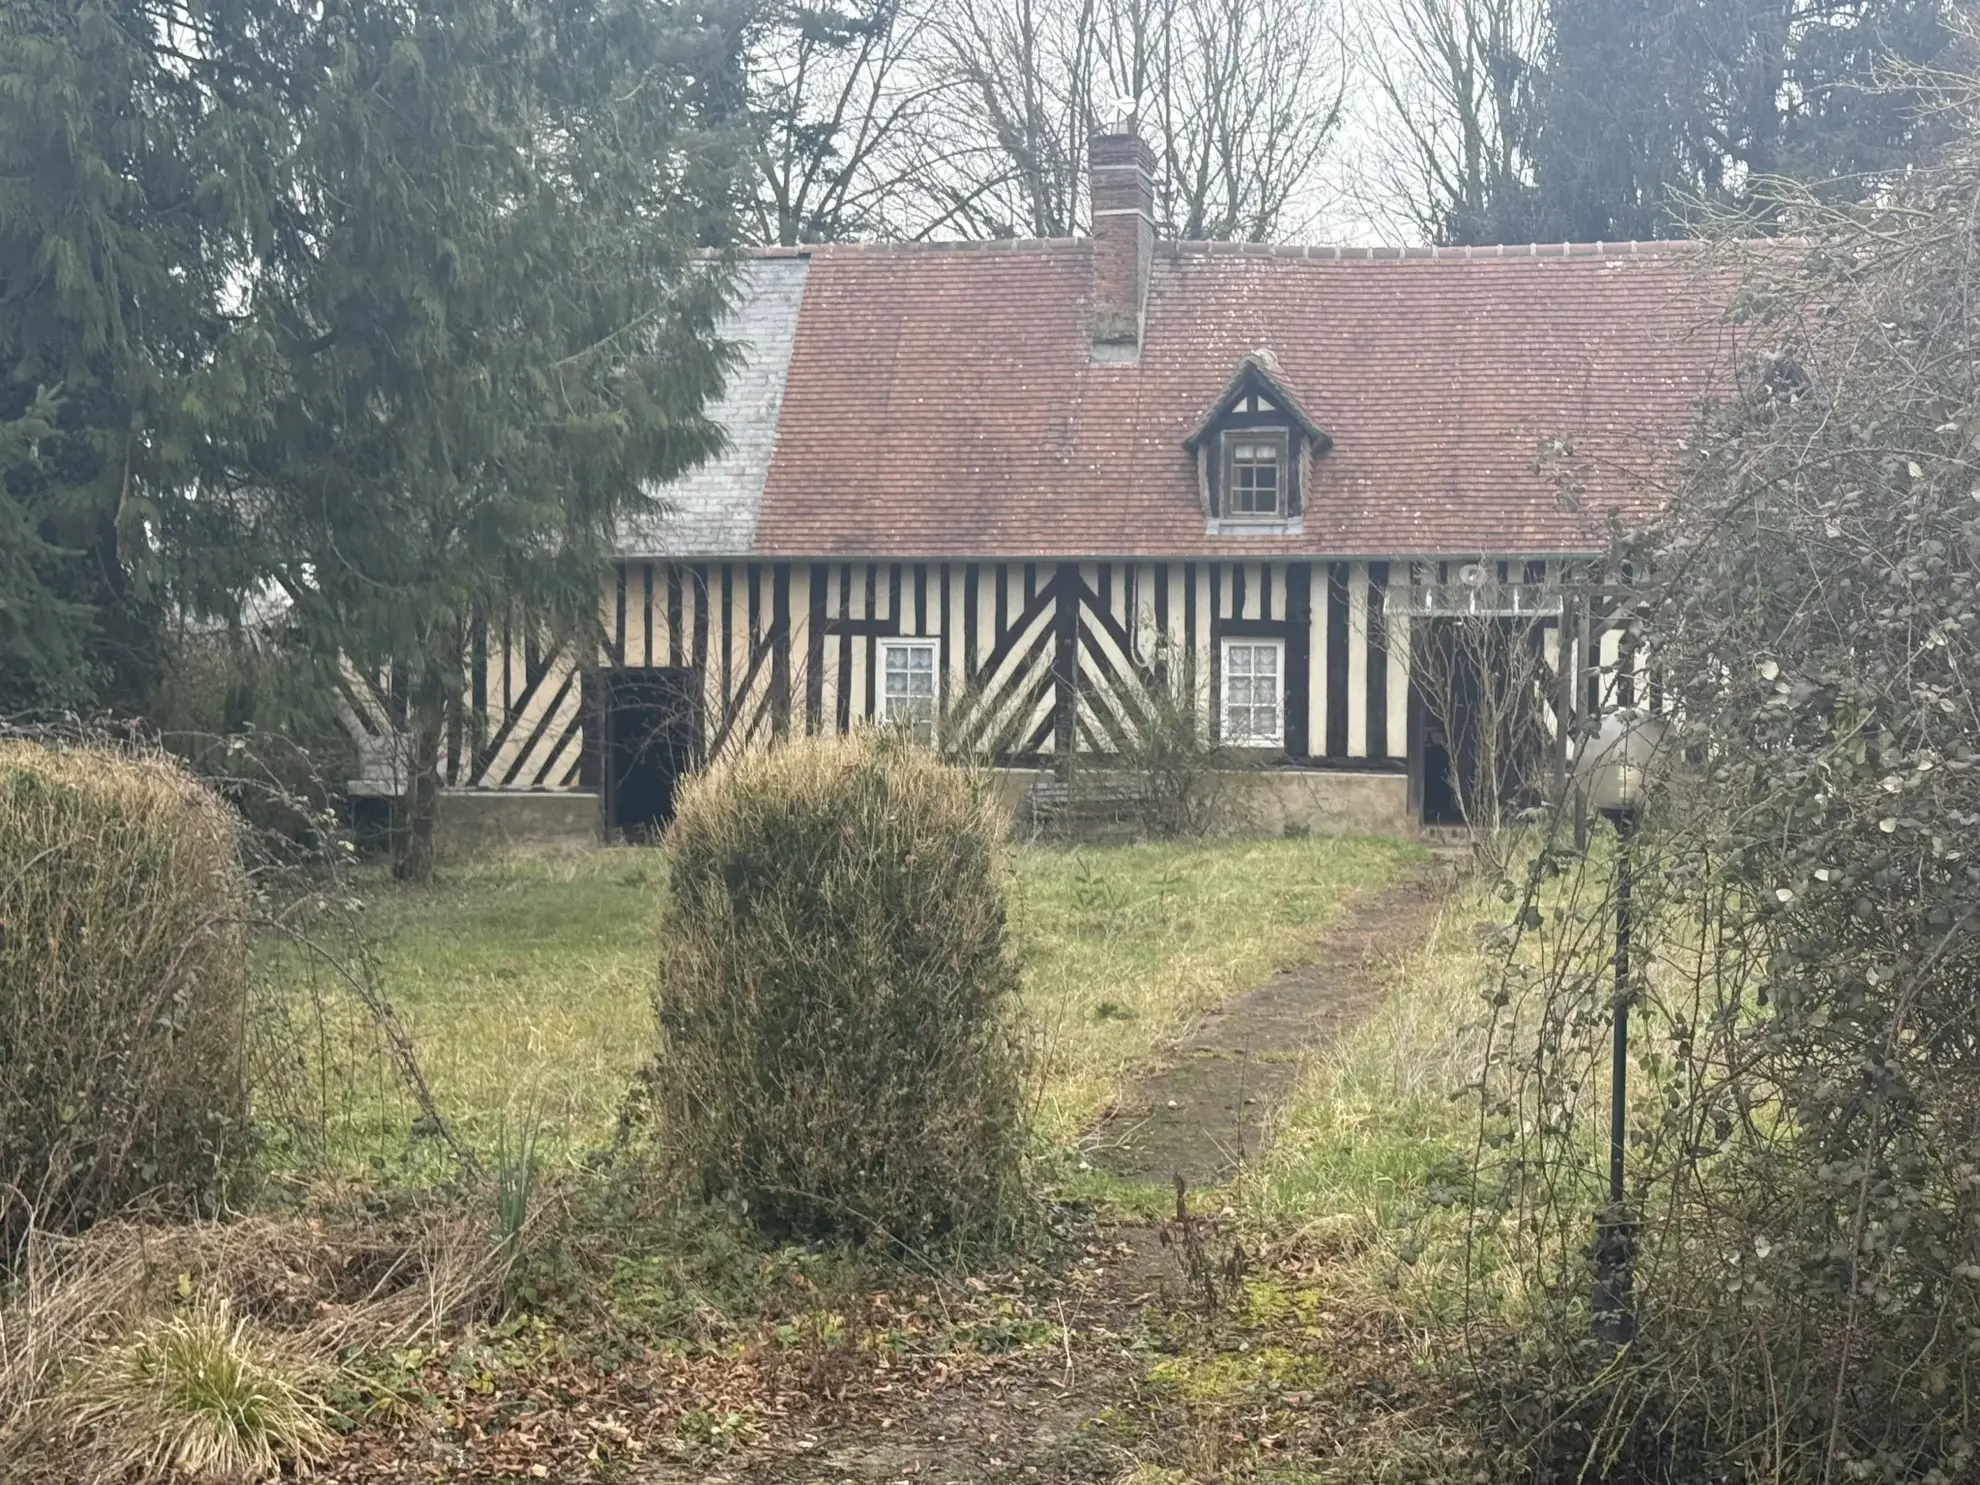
point(1081, 1409)
point(1213, 1105)
point(1066, 1412)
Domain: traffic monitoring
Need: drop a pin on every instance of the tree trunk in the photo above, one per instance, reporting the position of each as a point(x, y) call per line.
point(428, 723)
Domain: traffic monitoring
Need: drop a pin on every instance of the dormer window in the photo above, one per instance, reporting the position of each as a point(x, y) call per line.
point(1255, 473)
point(1254, 449)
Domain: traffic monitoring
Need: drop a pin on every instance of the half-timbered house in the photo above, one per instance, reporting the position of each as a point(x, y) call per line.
point(993, 484)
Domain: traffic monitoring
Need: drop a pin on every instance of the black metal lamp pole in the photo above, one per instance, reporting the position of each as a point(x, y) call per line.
point(1614, 1316)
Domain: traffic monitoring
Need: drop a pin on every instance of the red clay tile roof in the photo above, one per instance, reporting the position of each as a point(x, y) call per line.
point(946, 402)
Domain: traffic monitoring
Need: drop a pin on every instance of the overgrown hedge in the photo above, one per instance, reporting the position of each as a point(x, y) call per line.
point(835, 1041)
point(122, 988)
point(1803, 1152)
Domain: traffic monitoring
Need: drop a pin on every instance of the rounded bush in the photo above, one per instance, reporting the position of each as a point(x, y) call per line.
point(122, 987)
point(835, 1038)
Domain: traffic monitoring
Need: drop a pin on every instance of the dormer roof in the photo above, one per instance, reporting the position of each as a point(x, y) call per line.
point(1258, 376)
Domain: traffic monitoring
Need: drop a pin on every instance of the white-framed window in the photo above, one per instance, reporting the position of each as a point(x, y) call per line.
point(907, 686)
point(1254, 674)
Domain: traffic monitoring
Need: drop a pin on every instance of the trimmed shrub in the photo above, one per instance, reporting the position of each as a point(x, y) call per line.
point(835, 1038)
point(122, 988)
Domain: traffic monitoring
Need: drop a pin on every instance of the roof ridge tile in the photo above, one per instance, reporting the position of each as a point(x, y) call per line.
point(941, 246)
point(1176, 247)
point(1419, 252)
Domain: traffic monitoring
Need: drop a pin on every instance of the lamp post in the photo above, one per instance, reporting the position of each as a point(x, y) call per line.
point(1611, 770)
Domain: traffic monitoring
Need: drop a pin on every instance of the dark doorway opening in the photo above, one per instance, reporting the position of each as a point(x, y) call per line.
point(1441, 802)
point(1477, 725)
point(652, 737)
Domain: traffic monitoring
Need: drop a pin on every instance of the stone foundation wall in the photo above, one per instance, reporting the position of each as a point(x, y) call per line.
point(1326, 803)
point(485, 819)
point(1261, 802)
point(1264, 802)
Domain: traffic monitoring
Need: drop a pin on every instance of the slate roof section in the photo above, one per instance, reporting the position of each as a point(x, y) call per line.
point(712, 511)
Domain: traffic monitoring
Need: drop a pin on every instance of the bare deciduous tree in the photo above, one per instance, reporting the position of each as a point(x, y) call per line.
point(1238, 98)
point(836, 95)
point(1246, 97)
point(1022, 79)
point(1455, 84)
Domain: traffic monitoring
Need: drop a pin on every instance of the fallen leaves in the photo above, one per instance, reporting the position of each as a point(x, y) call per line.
point(1003, 1372)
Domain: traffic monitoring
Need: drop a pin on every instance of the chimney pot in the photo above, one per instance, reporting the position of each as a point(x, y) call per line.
point(1121, 182)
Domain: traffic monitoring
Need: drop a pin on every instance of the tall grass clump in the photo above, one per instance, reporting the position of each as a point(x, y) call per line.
point(199, 1394)
point(836, 1046)
point(123, 986)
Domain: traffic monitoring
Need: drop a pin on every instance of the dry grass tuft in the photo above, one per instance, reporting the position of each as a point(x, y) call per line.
point(319, 1288)
point(201, 1393)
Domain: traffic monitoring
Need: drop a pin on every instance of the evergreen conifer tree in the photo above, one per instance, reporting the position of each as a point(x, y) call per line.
point(128, 198)
point(1618, 120)
point(394, 311)
point(485, 328)
point(1646, 109)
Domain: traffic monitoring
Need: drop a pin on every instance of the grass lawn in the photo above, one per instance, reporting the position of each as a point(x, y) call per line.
point(1375, 1148)
point(524, 983)
point(525, 979)
point(1123, 945)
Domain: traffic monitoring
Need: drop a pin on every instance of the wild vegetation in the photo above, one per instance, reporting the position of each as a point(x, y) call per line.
point(266, 1337)
point(1801, 1159)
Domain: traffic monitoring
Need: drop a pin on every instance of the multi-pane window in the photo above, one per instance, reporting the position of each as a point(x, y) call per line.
point(1255, 469)
point(907, 690)
point(1253, 692)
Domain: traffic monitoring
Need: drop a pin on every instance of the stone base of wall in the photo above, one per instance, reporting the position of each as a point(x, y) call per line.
point(1262, 802)
point(1009, 786)
point(1324, 802)
point(485, 819)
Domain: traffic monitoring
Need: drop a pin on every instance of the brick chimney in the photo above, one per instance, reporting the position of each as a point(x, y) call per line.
point(1122, 182)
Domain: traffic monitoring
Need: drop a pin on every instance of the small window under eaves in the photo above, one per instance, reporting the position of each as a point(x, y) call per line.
point(1255, 474)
